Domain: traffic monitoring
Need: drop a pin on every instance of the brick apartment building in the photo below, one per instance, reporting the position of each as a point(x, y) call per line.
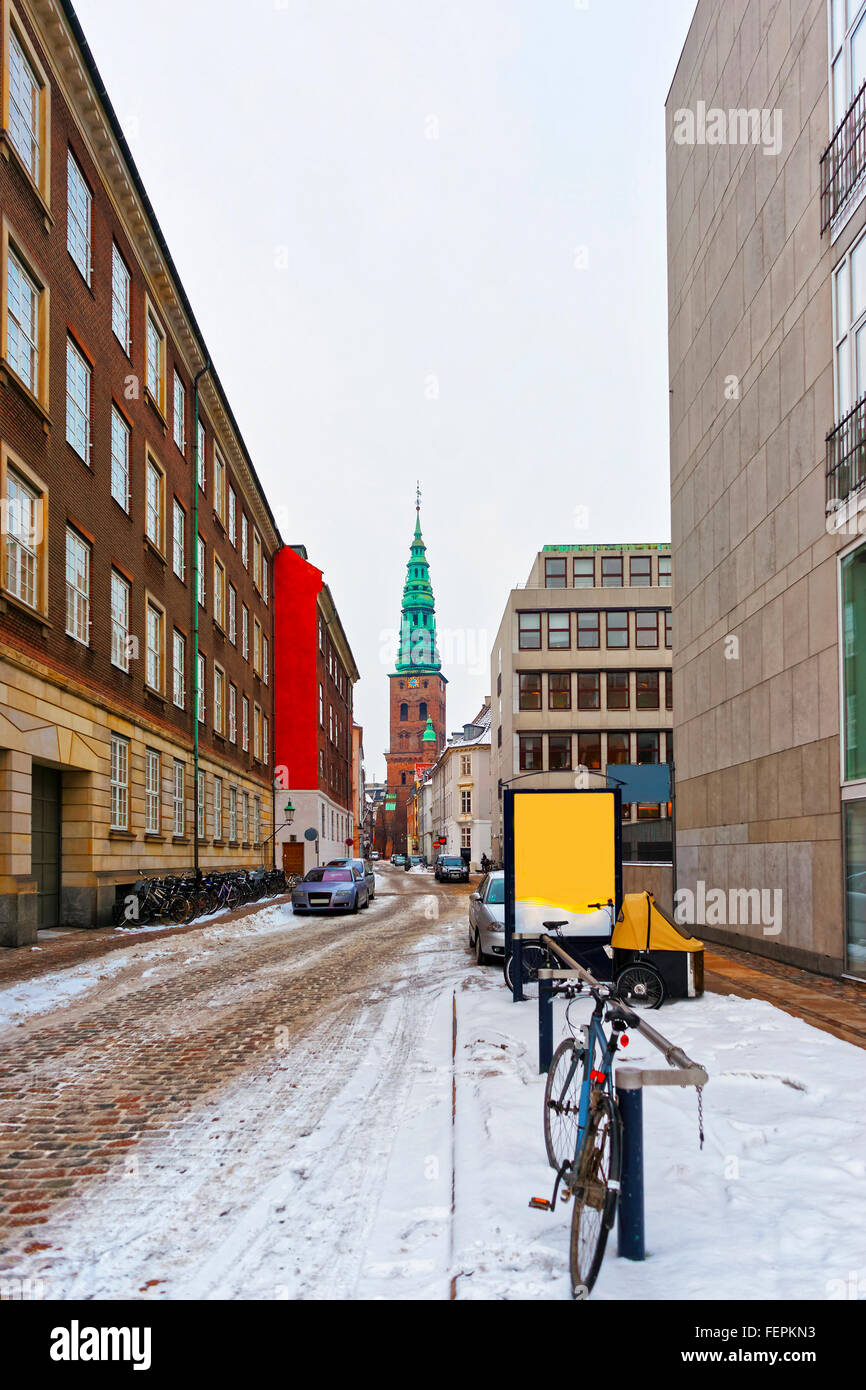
point(109, 408)
point(581, 672)
point(767, 243)
point(315, 675)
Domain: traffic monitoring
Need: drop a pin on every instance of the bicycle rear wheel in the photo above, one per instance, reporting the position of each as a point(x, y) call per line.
point(562, 1104)
point(595, 1191)
point(535, 958)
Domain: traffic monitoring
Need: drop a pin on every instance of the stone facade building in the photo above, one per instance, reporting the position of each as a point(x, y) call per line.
point(127, 493)
point(767, 246)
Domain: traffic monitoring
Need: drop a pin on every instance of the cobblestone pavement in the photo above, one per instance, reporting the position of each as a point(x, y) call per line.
point(834, 1006)
point(143, 1053)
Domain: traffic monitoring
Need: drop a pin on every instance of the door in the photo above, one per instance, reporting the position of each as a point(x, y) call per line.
point(45, 844)
point(293, 858)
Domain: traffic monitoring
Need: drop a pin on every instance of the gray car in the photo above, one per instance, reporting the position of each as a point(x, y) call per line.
point(487, 920)
point(330, 890)
point(364, 868)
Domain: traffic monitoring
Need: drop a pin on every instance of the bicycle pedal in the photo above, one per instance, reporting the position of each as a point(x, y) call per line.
point(539, 1204)
point(565, 1196)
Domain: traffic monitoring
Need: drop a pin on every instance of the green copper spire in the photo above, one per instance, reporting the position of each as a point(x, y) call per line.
point(429, 733)
point(418, 651)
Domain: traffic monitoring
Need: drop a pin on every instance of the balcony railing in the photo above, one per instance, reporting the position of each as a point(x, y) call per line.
point(846, 455)
point(843, 163)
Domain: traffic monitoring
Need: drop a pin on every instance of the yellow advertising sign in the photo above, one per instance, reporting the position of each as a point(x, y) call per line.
point(565, 850)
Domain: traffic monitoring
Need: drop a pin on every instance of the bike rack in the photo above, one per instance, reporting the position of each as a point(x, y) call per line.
point(630, 1084)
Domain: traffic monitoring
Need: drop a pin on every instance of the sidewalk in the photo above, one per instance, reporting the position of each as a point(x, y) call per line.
point(835, 1006)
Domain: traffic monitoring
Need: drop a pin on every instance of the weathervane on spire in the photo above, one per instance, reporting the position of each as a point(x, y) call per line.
point(418, 496)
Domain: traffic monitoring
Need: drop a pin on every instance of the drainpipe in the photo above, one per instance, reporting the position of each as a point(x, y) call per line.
point(195, 587)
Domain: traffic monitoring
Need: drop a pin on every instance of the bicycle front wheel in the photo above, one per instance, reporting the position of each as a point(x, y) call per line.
point(562, 1104)
point(595, 1191)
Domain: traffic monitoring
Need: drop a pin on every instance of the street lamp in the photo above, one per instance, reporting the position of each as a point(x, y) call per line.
point(289, 812)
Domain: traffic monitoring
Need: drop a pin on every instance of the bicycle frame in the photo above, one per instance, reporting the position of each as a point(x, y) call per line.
point(595, 1042)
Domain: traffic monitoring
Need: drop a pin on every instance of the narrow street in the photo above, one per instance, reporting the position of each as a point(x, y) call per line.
point(213, 1115)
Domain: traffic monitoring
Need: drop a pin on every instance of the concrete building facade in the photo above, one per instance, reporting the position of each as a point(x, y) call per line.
point(766, 249)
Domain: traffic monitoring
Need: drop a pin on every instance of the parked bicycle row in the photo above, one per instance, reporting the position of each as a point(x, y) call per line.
point(180, 899)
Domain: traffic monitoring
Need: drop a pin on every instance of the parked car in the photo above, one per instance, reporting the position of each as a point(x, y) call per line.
point(487, 920)
point(451, 869)
point(369, 876)
point(374, 854)
point(330, 890)
point(399, 861)
point(417, 861)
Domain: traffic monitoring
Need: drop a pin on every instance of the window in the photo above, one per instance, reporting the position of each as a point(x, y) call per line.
point(179, 414)
point(669, 630)
point(120, 593)
point(322, 707)
point(233, 614)
point(669, 690)
point(665, 572)
point(559, 631)
point(78, 216)
point(179, 669)
point(265, 738)
point(77, 587)
point(589, 751)
point(219, 592)
point(200, 454)
point(202, 562)
point(233, 714)
point(233, 814)
point(121, 299)
point(179, 799)
point(854, 664)
point(584, 572)
point(466, 803)
point(245, 812)
point(154, 623)
point(646, 629)
point(245, 724)
point(559, 752)
point(201, 793)
point(651, 812)
point(245, 541)
point(178, 540)
point(611, 571)
point(219, 484)
point(404, 714)
point(257, 646)
point(640, 572)
point(25, 326)
point(647, 748)
point(257, 733)
point(556, 574)
point(588, 630)
point(233, 516)
point(155, 362)
point(245, 632)
point(119, 783)
point(24, 538)
point(151, 792)
point(78, 375)
point(617, 630)
point(119, 459)
point(153, 504)
point(531, 753)
point(219, 685)
point(265, 580)
point(466, 837)
point(217, 808)
point(202, 677)
point(422, 708)
point(847, 56)
point(618, 695)
point(647, 689)
point(257, 559)
point(257, 820)
point(618, 750)
point(589, 690)
point(264, 659)
point(28, 111)
point(529, 630)
point(465, 764)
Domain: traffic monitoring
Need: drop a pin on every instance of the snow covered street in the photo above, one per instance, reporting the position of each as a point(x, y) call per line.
point(263, 1110)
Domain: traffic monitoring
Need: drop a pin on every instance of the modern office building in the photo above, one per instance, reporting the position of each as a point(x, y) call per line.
point(136, 540)
point(315, 674)
point(581, 672)
point(767, 249)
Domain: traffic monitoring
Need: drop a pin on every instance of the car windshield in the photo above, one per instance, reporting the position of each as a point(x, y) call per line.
point(329, 876)
point(453, 863)
point(496, 891)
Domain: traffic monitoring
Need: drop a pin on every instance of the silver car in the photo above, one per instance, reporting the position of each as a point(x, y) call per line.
point(330, 890)
point(487, 920)
point(362, 867)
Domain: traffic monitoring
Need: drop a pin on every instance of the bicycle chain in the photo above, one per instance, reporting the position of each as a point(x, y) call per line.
point(700, 1091)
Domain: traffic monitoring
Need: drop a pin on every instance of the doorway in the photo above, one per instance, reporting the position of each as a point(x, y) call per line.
point(45, 844)
point(293, 857)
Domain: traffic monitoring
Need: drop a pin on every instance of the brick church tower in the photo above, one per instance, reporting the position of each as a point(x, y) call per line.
point(417, 702)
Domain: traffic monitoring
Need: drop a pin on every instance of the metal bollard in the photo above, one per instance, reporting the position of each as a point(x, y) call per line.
point(631, 1237)
point(545, 1023)
point(517, 969)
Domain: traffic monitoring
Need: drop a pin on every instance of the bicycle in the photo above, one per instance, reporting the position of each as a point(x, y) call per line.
point(583, 1129)
point(536, 957)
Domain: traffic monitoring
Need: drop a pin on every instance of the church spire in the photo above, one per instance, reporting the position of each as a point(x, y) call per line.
point(418, 650)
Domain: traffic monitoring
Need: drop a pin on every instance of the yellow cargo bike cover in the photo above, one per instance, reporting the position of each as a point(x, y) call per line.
point(643, 926)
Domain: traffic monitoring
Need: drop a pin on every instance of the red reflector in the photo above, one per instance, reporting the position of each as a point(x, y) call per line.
point(623, 1041)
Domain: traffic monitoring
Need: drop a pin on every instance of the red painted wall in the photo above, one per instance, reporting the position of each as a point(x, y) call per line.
point(297, 585)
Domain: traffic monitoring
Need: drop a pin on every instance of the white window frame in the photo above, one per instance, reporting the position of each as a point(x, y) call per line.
point(233, 814)
point(154, 513)
point(79, 217)
point(233, 713)
point(217, 808)
point(202, 562)
point(178, 663)
point(155, 366)
point(25, 129)
point(119, 776)
point(201, 806)
point(121, 299)
point(179, 788)
point(257, 820)
point(23, 577)
point(178, 531)
point(179, 413)
point(245, 724)
point(120, 446)
point(219, 698)
point(245, 541)
point(233, 615)
point(201, 456)
point(79, 560)
point(23, 338)
point(79, 381)
point(233, 518)
point(121, 602)
point(154, 623)
point(153, 778)
point(219, 592)
point(202, 693)
point(219, 482)
point(245, 816)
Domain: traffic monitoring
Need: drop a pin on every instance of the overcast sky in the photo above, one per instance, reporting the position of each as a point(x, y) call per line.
point(423, 241)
